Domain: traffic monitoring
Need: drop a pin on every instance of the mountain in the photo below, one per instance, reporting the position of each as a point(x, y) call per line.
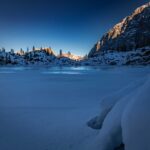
point(70, 56)
point(131, 34)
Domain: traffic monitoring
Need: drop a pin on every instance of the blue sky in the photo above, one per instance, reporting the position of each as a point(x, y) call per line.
point(70, 25)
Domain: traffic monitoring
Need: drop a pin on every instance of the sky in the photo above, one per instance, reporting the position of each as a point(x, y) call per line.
point(70, 25)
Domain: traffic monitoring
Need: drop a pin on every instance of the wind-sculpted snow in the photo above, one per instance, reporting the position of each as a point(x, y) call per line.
point(108, 102)
point(136, 120)
point(124, 119)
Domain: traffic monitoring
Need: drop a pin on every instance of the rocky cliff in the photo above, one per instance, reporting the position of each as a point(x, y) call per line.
point(132, 33)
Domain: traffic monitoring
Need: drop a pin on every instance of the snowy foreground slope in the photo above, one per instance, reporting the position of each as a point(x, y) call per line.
point(48, 108)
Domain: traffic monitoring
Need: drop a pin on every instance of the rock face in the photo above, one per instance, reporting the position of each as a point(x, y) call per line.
point(132, 33)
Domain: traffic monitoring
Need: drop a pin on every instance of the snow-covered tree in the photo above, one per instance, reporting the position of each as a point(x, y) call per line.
point(60, 52)
point(33, 49)
point(12, 51)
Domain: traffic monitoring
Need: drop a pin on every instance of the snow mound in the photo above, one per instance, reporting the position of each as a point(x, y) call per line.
point(124, 119)
point(108, 102)
point(136, 120)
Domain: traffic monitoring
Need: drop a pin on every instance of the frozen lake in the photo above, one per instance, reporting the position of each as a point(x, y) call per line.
point(47, 108)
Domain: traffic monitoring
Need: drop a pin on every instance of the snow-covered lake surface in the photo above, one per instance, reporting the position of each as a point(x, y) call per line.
point(48, 108)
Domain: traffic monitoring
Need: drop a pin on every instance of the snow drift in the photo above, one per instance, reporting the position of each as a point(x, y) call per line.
point(124, 119)
point(136, 120)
